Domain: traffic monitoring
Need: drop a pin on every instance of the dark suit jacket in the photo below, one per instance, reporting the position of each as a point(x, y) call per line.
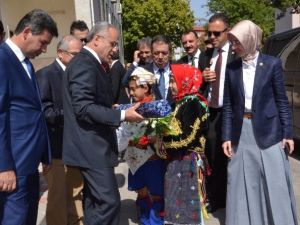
point(203, 62)
point(50, 82)
point(89, 120)
point(117, 72)
point(207, 58)
point(271, 113)
point(23, 132)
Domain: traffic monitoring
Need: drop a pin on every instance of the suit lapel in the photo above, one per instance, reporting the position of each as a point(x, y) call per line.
point(22, 72)
point(239, 77)
point(231, 55)
point(259, 74)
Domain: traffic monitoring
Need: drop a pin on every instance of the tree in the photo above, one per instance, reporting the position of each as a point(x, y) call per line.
point(260, 12)
point(151, 17)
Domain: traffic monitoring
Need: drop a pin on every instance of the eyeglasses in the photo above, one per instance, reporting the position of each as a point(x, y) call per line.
point(216, 33)
point(235, 42)
point(83, 40)
point(113, 44)
point(71, 53)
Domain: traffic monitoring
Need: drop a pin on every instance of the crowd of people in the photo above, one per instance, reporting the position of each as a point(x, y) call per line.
point(224, 145)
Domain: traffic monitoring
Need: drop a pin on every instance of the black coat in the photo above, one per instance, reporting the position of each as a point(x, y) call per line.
point(90, 122)
point(50, 83)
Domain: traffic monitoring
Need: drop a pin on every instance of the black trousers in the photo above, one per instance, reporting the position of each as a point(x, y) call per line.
point(217, 182)
point(101, 197)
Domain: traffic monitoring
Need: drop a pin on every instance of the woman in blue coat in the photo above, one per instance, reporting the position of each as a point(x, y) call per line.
point(257, 135)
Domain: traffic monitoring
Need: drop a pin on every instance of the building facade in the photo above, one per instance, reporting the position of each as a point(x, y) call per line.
point(63, 12)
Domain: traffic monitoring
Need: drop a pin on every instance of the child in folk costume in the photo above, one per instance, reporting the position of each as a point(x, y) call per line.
point(185, 175)
point(146, 169)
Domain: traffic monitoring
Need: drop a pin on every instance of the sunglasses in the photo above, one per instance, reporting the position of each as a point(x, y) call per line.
point(83, 40)
point(215, 33)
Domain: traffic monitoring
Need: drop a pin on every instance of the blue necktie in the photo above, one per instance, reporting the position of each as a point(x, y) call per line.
point(161, 84)
point(29, 67)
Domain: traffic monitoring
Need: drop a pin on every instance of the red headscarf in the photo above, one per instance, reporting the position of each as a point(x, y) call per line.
point(188, 80)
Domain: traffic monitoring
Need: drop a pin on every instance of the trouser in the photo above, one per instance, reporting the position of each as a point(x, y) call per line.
point(21, 205)
point(74, 188)
point(217, 182)
point(56, 211)
point(101, 197)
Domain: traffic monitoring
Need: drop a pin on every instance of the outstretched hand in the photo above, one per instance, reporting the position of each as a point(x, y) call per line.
point(131, 115)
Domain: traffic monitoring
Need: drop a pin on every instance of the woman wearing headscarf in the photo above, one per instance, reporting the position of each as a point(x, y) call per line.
point(257, 135)
point(185, 176)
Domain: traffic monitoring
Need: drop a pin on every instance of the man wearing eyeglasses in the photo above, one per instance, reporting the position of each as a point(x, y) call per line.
point(80, 30)
point(50, 82)
point(214, 77)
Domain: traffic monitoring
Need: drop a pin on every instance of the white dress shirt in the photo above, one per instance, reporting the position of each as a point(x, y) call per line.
point(61, 64)
point(166, 75)
point(19, 54)
point(196, 58)
point(215, 56)
point(249, 69)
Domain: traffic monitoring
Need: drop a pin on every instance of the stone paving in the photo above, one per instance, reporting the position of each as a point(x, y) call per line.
point(128, 212)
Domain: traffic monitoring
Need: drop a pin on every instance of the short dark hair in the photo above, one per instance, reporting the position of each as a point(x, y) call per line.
point(78, 25)
point(161, 38)
point(221, 17)
point(144, 41)
point(1, 27)
point(190, 31)
point(38, 20)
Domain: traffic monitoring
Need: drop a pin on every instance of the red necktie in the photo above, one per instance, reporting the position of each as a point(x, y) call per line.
point(105, 67)
point(215, 86)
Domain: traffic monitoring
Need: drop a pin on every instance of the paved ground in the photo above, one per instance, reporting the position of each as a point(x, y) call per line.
point(128, 213)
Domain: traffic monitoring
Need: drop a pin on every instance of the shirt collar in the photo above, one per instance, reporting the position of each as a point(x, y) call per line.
point(61, 64)
point(166, 68)
point(196, 56)
point(93, 53)
point(225, 48)
point(18, 52)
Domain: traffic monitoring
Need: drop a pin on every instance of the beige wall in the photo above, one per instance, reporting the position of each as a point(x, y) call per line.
point(62, 11)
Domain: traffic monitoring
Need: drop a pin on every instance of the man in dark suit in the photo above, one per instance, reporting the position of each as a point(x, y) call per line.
point(160, 66)
point(24, 139)
point(214, 77)
point(195, 56)
point(50, 82)
point(89, 125)
point(117, 73)
point(80, 30)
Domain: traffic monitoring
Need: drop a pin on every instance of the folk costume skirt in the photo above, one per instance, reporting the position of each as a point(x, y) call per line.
point(259, 187)
point(185, 191)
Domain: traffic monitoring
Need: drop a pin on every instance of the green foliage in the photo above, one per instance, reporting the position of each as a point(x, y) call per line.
point(151, 17)
point(283, 4)
point(260, 12)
